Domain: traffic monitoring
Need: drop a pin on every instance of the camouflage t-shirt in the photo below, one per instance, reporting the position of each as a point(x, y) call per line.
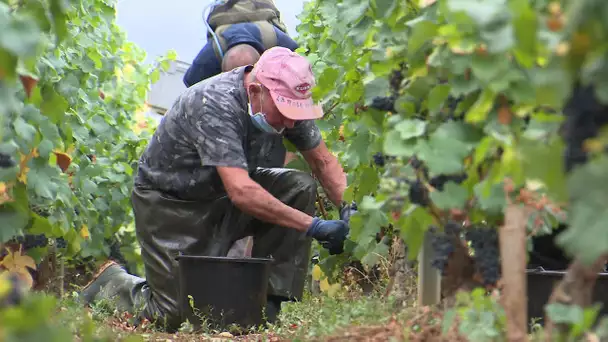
point(208, 126)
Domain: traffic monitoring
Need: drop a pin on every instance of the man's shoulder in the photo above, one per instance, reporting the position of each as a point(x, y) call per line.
point(218, 96)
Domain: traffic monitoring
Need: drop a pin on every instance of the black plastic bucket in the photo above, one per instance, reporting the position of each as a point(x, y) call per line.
point(541, 284)
point(226, 292)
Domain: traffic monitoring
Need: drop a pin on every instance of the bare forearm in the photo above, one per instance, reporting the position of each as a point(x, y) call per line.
point(331, 176)
point(256, 201)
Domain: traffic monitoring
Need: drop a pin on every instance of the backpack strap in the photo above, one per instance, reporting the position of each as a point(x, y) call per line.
point(267, 33)
point(238, 11)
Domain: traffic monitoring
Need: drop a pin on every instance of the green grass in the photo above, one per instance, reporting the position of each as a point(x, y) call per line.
point(319, 316)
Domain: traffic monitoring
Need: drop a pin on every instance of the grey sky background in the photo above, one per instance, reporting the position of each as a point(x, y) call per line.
point(160, 25)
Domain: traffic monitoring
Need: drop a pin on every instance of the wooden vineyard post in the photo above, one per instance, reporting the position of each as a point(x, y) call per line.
point(514, 296)
point(429, 278)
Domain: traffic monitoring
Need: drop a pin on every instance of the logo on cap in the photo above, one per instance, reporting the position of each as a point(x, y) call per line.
point(303, 88)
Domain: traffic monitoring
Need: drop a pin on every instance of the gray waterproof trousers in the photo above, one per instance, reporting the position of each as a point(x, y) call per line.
point(166, 226)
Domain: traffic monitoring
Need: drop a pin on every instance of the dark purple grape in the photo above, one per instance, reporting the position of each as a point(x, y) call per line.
point(484, 241)
point(6, 161)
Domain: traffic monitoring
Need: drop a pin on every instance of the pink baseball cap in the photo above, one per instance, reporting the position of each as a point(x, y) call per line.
point(290, 80)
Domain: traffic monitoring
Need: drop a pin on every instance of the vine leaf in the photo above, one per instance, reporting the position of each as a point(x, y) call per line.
point(20, 34)
point(384, 8)
point(12, 222)
point(410, 128)
point(352, 10)
point(453, 196)
point(394, 145)
point(413, 224)
point(586, 235)
point(15, 261)
point(479, 111)
point(544, 162)
point(378, 87)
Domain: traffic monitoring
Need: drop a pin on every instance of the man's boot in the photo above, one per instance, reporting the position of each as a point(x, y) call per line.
point(112, 282)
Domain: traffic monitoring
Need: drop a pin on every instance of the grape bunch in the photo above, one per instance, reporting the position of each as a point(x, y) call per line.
point(585, 116)
point(61, 243)
point(386, 104)
point(6, 161)
point(418, 194)
point(30, 241)
point(443, 244)
point(438, 182)
point(484, 241)
point(381, 159)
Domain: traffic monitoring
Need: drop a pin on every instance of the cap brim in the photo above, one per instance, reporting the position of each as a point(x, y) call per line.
point(297, 109)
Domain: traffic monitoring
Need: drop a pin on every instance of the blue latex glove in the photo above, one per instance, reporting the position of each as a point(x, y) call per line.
point(347, 210)
point(330, 234)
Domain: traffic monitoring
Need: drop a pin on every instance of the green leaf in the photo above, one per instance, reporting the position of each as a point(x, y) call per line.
point(379, 252)
point(40, 225)
point(437, 97)
point(40, 178)
point(45, 148)
point(8, 65)
point(412, 225)
point(368, 182)
point(545, 163)
point(378, 87)
point(20, 34)
point(53, 105)
point(483, 13)
point(384, 8)
point(88, 187)
point(13, 221)
point(422, 32)
point(453, 196)
point(58, 11)
point(487, 68)
point(352, 10)
point(394, 145)
point(586, 235)
point(524, 22)
point(562, 313)
point(443, 154)
point(410, 128)
point(493, 200)
point(95, 57)
point(479, 111)
point(24, 130)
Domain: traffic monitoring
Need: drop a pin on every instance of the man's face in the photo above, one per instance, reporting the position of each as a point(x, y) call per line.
point(273, 115)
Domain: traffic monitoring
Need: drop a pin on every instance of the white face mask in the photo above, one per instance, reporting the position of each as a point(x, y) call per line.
point(259, 121)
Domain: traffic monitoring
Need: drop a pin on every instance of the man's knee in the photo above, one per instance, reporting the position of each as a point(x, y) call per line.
point(302, 181)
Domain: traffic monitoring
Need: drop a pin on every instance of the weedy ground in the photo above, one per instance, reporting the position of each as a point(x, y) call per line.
point(345, 315)
point(341, 317)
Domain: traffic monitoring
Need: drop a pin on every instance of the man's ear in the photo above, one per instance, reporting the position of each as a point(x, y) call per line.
point(255, 89)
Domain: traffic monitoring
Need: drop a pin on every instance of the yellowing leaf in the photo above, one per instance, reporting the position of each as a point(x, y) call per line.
point(317, 273)
point(128, 70)
point(19, 263)
point(324, 285)
point(23, 175)
point(15, 260)
point(329, 289)
point(2, 187)
point(84, 232)
point(5, 284)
